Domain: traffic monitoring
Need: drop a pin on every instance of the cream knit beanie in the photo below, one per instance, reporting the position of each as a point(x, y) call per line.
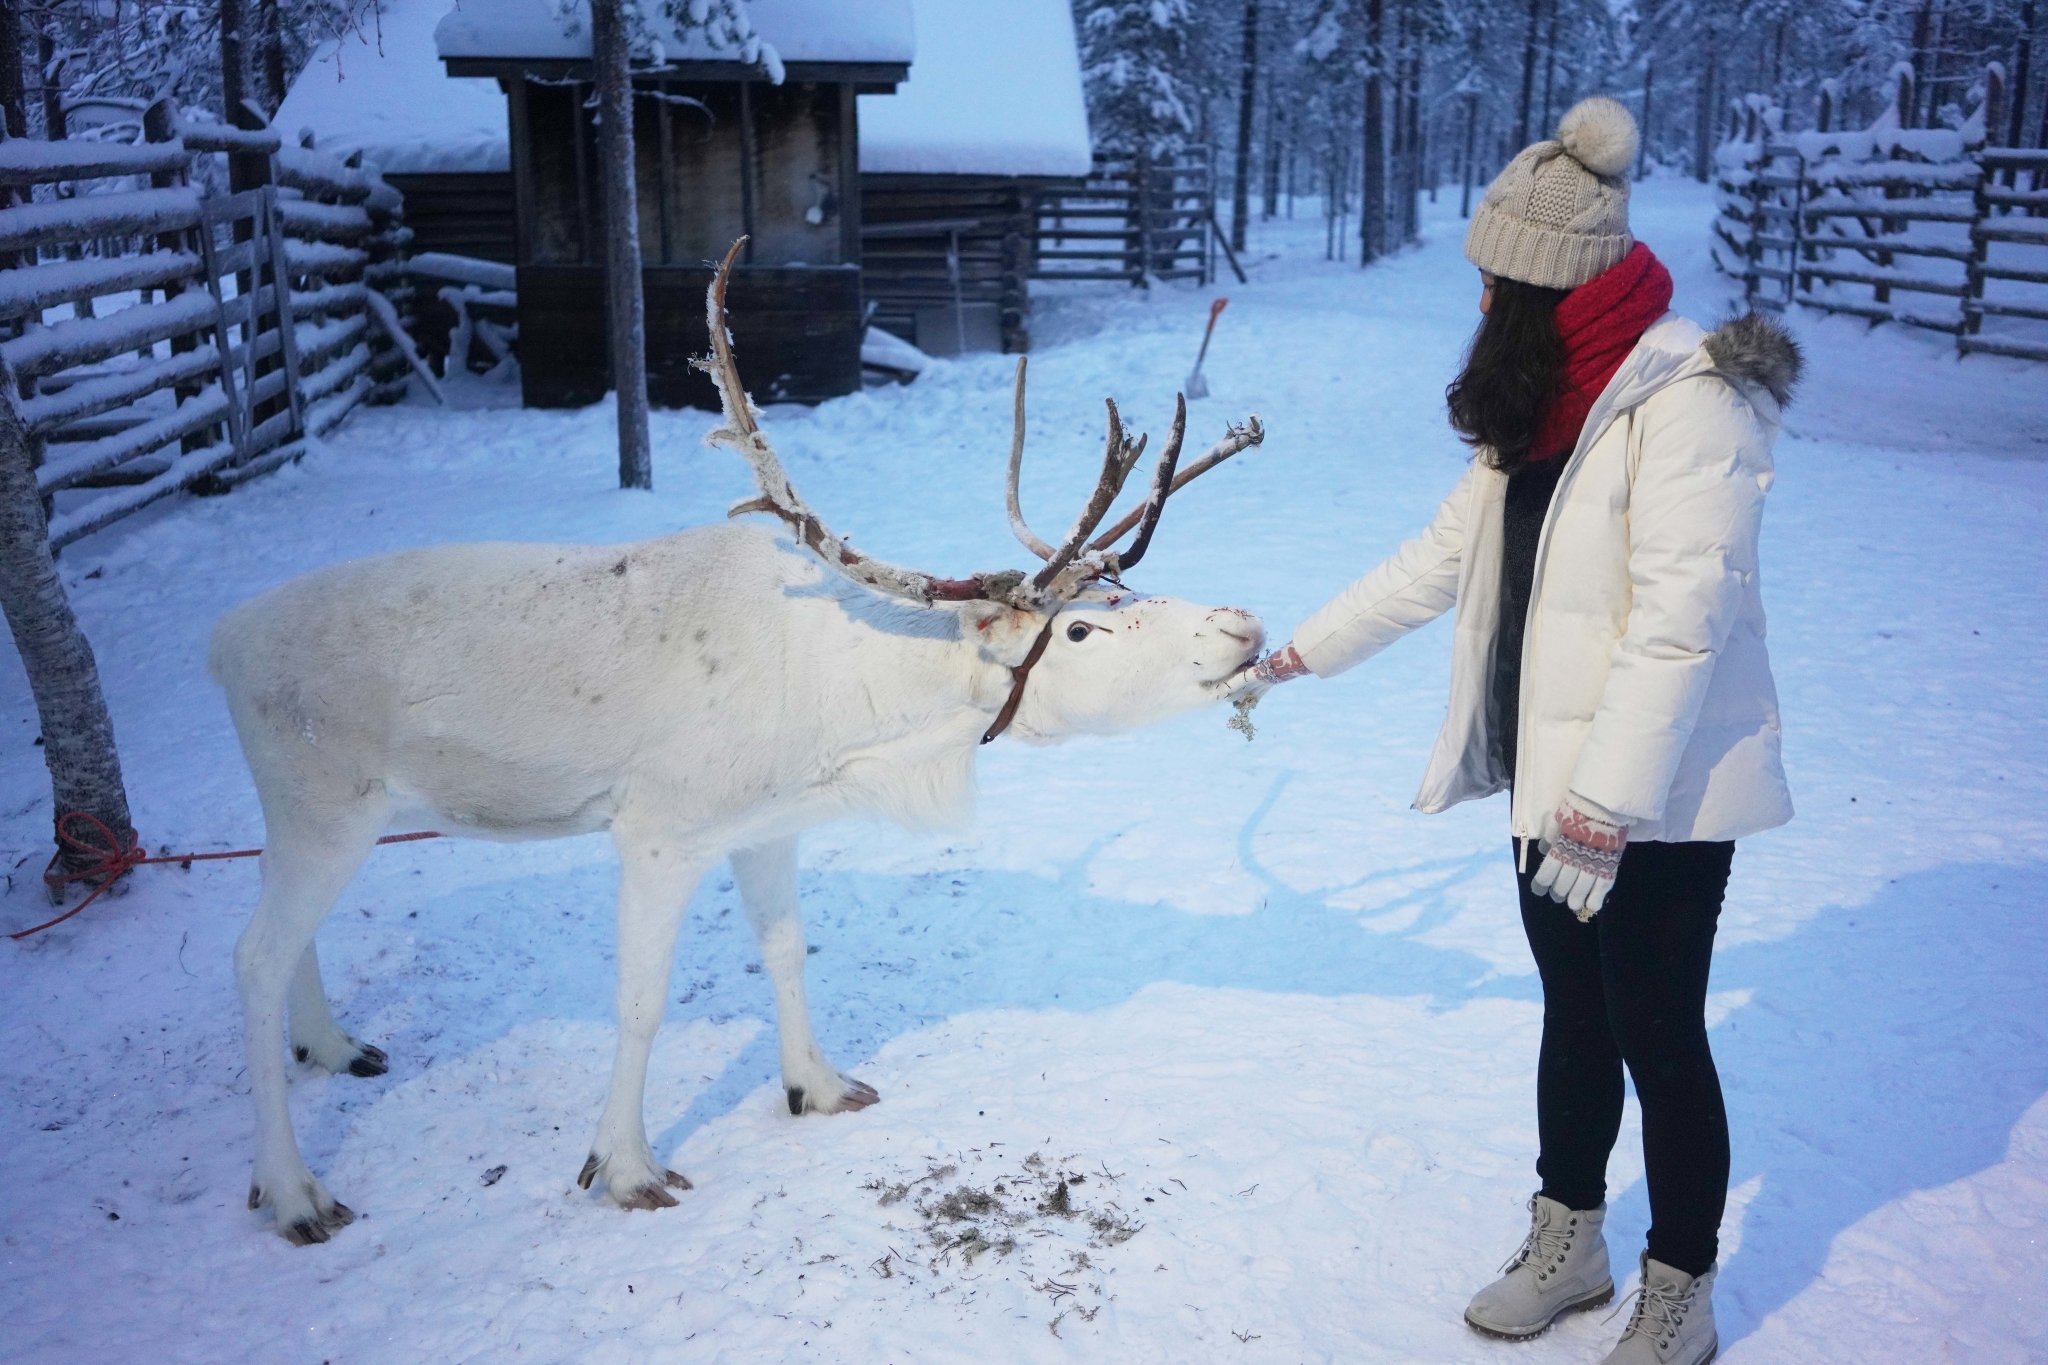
point(1558, 214)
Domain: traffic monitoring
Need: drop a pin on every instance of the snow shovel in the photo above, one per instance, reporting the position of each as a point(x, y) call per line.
point(1198, 387)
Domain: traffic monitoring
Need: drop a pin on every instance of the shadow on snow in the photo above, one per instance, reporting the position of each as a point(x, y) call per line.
point(1885, 1048)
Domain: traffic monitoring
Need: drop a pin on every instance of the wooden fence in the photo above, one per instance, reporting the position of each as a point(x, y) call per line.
point(946, 259)
point(1927, 228)
point(1135, 220)
point(143, 315)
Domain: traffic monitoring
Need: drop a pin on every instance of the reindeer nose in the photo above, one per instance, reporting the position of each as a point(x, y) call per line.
point(1247, 629)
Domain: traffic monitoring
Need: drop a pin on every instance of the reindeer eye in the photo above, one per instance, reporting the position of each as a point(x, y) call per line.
point(1078, 631)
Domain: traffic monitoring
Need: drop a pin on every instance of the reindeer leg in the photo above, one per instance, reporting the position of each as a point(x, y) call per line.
point(767, 881)
point(316, 1038)
point(304, 870)
point(658, 871)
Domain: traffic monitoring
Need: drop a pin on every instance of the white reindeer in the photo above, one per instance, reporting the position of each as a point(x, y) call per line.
point(704, 695)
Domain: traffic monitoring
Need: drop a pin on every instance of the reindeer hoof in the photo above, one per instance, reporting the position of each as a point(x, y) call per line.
point(652, 1196)
point(589, 1172)
point(371, 1061)
point(320, 1226)
point(855, 1095)
point(323, 1216)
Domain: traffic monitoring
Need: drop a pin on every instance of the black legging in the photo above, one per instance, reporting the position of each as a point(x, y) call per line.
point(1631, 985)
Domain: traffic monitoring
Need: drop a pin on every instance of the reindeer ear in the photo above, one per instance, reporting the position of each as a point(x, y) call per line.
point(1004, 632)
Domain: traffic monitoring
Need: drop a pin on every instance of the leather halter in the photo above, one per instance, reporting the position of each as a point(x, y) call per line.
point(1019, 675)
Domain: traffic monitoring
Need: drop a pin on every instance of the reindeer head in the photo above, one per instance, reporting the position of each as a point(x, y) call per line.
point(1118, 660)
point(1100, 659)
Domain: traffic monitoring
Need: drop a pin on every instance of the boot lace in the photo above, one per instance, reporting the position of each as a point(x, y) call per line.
point(1660, 1311)
point(1544, 1249)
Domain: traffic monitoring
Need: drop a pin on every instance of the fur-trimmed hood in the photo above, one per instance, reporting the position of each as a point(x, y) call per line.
point(1759, 351)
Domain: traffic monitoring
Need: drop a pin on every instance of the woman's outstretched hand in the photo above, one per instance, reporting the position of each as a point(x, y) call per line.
point(1244, 687)
point(1279, 666)
point(1282, 665)
point(1581, 855)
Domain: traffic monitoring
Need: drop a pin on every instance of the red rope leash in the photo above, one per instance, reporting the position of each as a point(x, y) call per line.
point(114, 864)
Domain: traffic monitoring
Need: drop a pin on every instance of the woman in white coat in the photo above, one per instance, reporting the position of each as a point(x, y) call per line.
point(1609, 670)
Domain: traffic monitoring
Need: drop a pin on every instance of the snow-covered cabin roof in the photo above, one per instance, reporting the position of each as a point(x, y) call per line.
point(801, 31)
point(384, 92)
point(995, 90)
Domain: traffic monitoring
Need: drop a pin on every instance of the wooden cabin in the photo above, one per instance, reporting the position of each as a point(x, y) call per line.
point(722, 152)
point(949, 169)
point(953, 164)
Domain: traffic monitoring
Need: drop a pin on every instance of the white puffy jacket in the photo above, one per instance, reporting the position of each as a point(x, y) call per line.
point(1646, 687)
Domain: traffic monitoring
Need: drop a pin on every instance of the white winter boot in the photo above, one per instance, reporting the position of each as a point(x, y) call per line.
point(1561, 1268)
point(1674, 1320)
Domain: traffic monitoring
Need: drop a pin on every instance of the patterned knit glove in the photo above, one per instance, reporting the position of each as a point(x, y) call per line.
point(1581, 854)
point(1282, 665)
point(1248, 684)
point(1255, 679)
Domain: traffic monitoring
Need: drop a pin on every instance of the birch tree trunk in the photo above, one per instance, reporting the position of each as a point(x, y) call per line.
point(1241, 191)
point(234, 58)
point(1528, 76)
point(1372, 203)
point(13, 108)
point(272, 24)
point(627, 311)
point(78, 736)
point(1703, 118)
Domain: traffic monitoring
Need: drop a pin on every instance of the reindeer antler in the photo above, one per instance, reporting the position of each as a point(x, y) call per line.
point(1074, 563)
point(1237, 437)
point(1120, 455)
point(1018, 526)
point(1166, 481)
point(742, 433)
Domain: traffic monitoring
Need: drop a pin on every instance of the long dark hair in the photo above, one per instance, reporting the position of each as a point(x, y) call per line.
point(1515, 366)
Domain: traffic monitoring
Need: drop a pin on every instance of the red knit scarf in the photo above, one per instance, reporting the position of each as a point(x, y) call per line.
point(1600, 323)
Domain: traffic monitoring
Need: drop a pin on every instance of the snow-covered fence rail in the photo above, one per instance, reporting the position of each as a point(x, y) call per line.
point(138, 392)
point(1136, 220)
point(1890, 224)
point(2008, 266)
point(478, 303)
point(175, 368)
point(344, 240)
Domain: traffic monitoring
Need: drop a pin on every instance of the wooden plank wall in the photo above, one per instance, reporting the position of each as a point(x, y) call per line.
point(906, 271)
point(746, 158)
point(464, 214)
point(796, 331)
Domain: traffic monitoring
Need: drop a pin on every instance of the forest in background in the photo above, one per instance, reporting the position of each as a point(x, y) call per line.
point(1345, 101)
point(1348, 99)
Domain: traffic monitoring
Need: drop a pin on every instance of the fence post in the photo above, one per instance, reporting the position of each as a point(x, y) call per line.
point(1799, 248)
point(1753, 279)
point(1973, 269)
point(1142, 184)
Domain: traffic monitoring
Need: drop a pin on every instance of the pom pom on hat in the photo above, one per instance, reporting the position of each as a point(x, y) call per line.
point(1557, 214)
point(1600, 135)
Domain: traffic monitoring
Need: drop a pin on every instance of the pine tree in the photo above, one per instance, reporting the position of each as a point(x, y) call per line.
point(1135, 65)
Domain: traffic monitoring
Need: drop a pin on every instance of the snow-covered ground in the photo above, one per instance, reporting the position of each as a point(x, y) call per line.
point(1238, 997)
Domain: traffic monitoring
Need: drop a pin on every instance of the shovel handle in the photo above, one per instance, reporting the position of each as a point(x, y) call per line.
point(1215, 311)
